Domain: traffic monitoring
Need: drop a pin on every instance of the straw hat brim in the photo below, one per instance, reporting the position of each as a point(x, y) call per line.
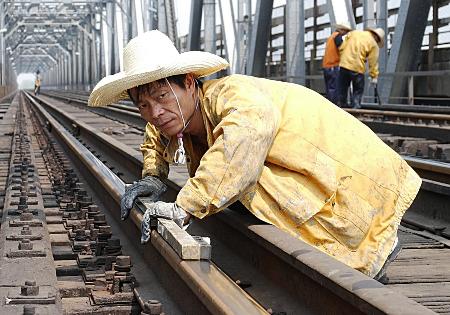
point(113, 88)
point(339, 26)
point(381, 42)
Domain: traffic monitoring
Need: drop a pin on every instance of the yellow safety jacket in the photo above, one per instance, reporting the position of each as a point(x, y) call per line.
point(358, 47)
point(297, 161)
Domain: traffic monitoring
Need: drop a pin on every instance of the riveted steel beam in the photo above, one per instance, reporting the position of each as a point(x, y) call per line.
point(368, 14)
point(406, 44)
point(295, 41)
point(228, 31)
point(260, 38)
point(195, 25)
point(341, 11)
point(243, 34)
point(382, 16)
point(2, 48)
point(209, 15)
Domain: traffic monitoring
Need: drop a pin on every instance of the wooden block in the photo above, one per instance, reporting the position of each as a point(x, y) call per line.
point(398, 273)
point(424, 291)
point(183, 243)
point(435, 296)
point(186, 246)
point(205, 246)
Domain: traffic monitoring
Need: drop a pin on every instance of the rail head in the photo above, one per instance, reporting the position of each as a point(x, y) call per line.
point(428, 165)
point(392, 113)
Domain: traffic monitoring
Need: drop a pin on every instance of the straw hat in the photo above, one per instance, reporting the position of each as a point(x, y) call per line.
point(380, 34)
point(149, 57)
point(343, 25)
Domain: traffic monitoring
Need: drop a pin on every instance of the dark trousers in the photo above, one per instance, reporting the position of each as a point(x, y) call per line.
point(345, 78)
point(331, 83)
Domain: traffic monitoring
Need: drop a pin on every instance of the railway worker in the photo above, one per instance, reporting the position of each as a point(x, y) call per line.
point(291, 157)
point(357, 48)
point(37, 83)
point(330, 61)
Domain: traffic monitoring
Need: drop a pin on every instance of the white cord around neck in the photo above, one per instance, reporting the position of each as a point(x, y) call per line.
point(197, 103)
point(180, 153)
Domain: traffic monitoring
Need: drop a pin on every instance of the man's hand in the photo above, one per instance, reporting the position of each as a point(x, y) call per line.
point(149, 186)
point(373, 81)
point(164, 210)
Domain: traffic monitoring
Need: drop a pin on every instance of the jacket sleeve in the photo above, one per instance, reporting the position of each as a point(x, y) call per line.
point(152, 150)
point(247, 122)
point(373, 61)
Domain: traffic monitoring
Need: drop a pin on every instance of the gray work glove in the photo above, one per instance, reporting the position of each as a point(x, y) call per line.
point(149, 186)
point(160, 209)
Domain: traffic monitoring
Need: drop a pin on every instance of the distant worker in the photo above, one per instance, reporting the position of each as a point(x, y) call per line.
point(291, 157)
point(37, 83)
point(357, 48)
point(330, 62)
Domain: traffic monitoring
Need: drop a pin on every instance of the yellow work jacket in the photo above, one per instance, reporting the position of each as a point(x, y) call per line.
point(297, 161)
point(359, 46)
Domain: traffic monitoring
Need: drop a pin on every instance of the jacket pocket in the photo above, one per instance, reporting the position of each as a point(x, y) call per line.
point(342, 223)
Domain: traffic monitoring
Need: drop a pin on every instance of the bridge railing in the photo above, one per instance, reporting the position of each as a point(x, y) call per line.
point(410, 98)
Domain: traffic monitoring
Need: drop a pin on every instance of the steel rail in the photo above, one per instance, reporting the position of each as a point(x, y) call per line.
point(310, 275)
point(83, 99)
point(391, 113)
point(407, 128)
point(432, 109)
point(122, 113)
point(410, 130)
point(435, 166)
point(219, 293)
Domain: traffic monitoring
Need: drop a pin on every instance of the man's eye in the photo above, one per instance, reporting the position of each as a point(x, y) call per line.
point(142, 105)
point(163, 95)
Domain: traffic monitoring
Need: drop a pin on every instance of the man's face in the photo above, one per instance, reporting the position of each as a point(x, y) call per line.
point(157, 104)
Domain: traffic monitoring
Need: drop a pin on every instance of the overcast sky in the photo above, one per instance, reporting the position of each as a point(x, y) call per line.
point(183, 9)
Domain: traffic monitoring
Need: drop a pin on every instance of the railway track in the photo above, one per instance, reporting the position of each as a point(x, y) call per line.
point(281, 273)
point(424, 135)
point(50, 228)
